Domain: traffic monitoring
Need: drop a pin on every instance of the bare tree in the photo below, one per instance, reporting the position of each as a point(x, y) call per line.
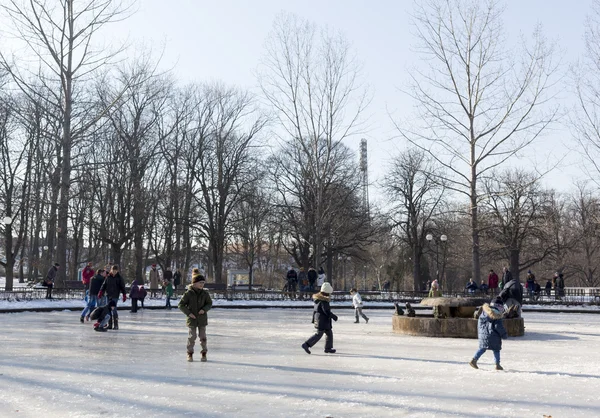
point(61, 35)
point(312, 80)
point(585, 221)
point(480, 102)
point(220, 155)
point(586, 118)
point(417, 198)
point(515, 217)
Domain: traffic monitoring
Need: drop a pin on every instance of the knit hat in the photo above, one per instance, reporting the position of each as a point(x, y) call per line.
point(326, 288)
point(498, 304)
point(197, 276)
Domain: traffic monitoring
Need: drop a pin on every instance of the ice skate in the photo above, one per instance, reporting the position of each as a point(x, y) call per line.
point(499, 367)
point(306, 348)
point(473, 364)
point(190, 357)
point(331, 351)
point(203, 358)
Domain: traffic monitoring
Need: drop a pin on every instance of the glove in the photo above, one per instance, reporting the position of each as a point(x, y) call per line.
point(335, 318)
point(124, 297)
point(100, 294)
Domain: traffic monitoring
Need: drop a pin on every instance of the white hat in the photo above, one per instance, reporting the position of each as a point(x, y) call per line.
point(326, 288)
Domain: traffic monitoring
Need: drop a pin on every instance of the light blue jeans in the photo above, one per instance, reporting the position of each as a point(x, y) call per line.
point(105, 320)
point(480, 352)
point(92, 302)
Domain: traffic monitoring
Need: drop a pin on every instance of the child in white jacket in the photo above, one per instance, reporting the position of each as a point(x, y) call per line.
point(358, 305)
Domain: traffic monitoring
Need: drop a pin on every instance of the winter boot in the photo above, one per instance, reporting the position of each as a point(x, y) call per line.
point(110, 323)
point(367, 320)
point(116, 326)
point(356, 322)
point(81, 319)
point(190, 357)
point(203, 358)
point(499, 367)
point(473, 364)
point(331, 351)
point(100, 329)
point(306, 348)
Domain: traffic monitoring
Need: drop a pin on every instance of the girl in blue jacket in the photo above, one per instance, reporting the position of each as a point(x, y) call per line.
point(491, 332)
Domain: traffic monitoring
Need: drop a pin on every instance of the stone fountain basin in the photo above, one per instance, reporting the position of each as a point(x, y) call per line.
point(449, 327)
point(455, 307)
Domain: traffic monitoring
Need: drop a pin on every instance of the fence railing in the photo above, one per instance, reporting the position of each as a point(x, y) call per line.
point(568, 296)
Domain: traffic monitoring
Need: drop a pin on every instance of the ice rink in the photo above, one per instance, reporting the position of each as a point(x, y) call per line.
point(53, 366)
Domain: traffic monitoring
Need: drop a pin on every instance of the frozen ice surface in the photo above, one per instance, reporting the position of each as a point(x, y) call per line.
point(53, 366)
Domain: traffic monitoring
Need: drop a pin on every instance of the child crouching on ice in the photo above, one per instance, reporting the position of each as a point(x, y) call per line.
point(322, 317)
point(491, 332)
point(102, 315)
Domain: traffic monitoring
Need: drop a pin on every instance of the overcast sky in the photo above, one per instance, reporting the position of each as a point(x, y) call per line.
point(223, 40)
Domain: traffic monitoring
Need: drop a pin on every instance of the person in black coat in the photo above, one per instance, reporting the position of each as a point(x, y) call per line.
point(113, 286)
point(322, 317)
point(312, 279)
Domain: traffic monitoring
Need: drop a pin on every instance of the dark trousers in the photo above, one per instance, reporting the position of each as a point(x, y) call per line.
point(328, 340)
point(49, 291)
point(134, 304)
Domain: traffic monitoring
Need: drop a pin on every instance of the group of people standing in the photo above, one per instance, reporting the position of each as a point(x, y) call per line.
point(534, 289)
point(304, 281)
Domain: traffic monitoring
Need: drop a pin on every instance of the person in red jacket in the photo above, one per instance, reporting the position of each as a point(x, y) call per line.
point(493, 282)
point(87, 274)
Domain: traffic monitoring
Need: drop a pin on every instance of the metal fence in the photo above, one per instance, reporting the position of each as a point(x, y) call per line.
point(576, 296)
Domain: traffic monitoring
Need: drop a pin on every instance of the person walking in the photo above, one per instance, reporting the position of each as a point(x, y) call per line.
point(154, 280)
point(560, 285)
point(93, 290)
point(529, 284)
point(322, 317)
point(113, 286)
point(86, 277)
point(490, 332)
point(493, 282)
point(321, 277)
point(312, 279)
point(302, 280)
point(176, 279)
point(292, 281)
point(134, 295)
point(435, 291)
point(548, 287)
point(357, 303)
point(195, 303)
point(168, 286)
point(506, 277)
point(50, 278)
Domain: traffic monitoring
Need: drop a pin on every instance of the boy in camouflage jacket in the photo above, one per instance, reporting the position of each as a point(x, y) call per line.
point(195, 303)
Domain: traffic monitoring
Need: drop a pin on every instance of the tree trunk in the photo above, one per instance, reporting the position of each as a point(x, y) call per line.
point(514, 262)
point(417, 284)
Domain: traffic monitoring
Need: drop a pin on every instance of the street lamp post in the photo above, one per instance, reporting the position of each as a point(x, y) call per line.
point(9, 255)
point(443, 239)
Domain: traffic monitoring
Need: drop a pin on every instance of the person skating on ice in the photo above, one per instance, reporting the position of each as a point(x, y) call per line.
point(357, 303)
point(322, 317)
